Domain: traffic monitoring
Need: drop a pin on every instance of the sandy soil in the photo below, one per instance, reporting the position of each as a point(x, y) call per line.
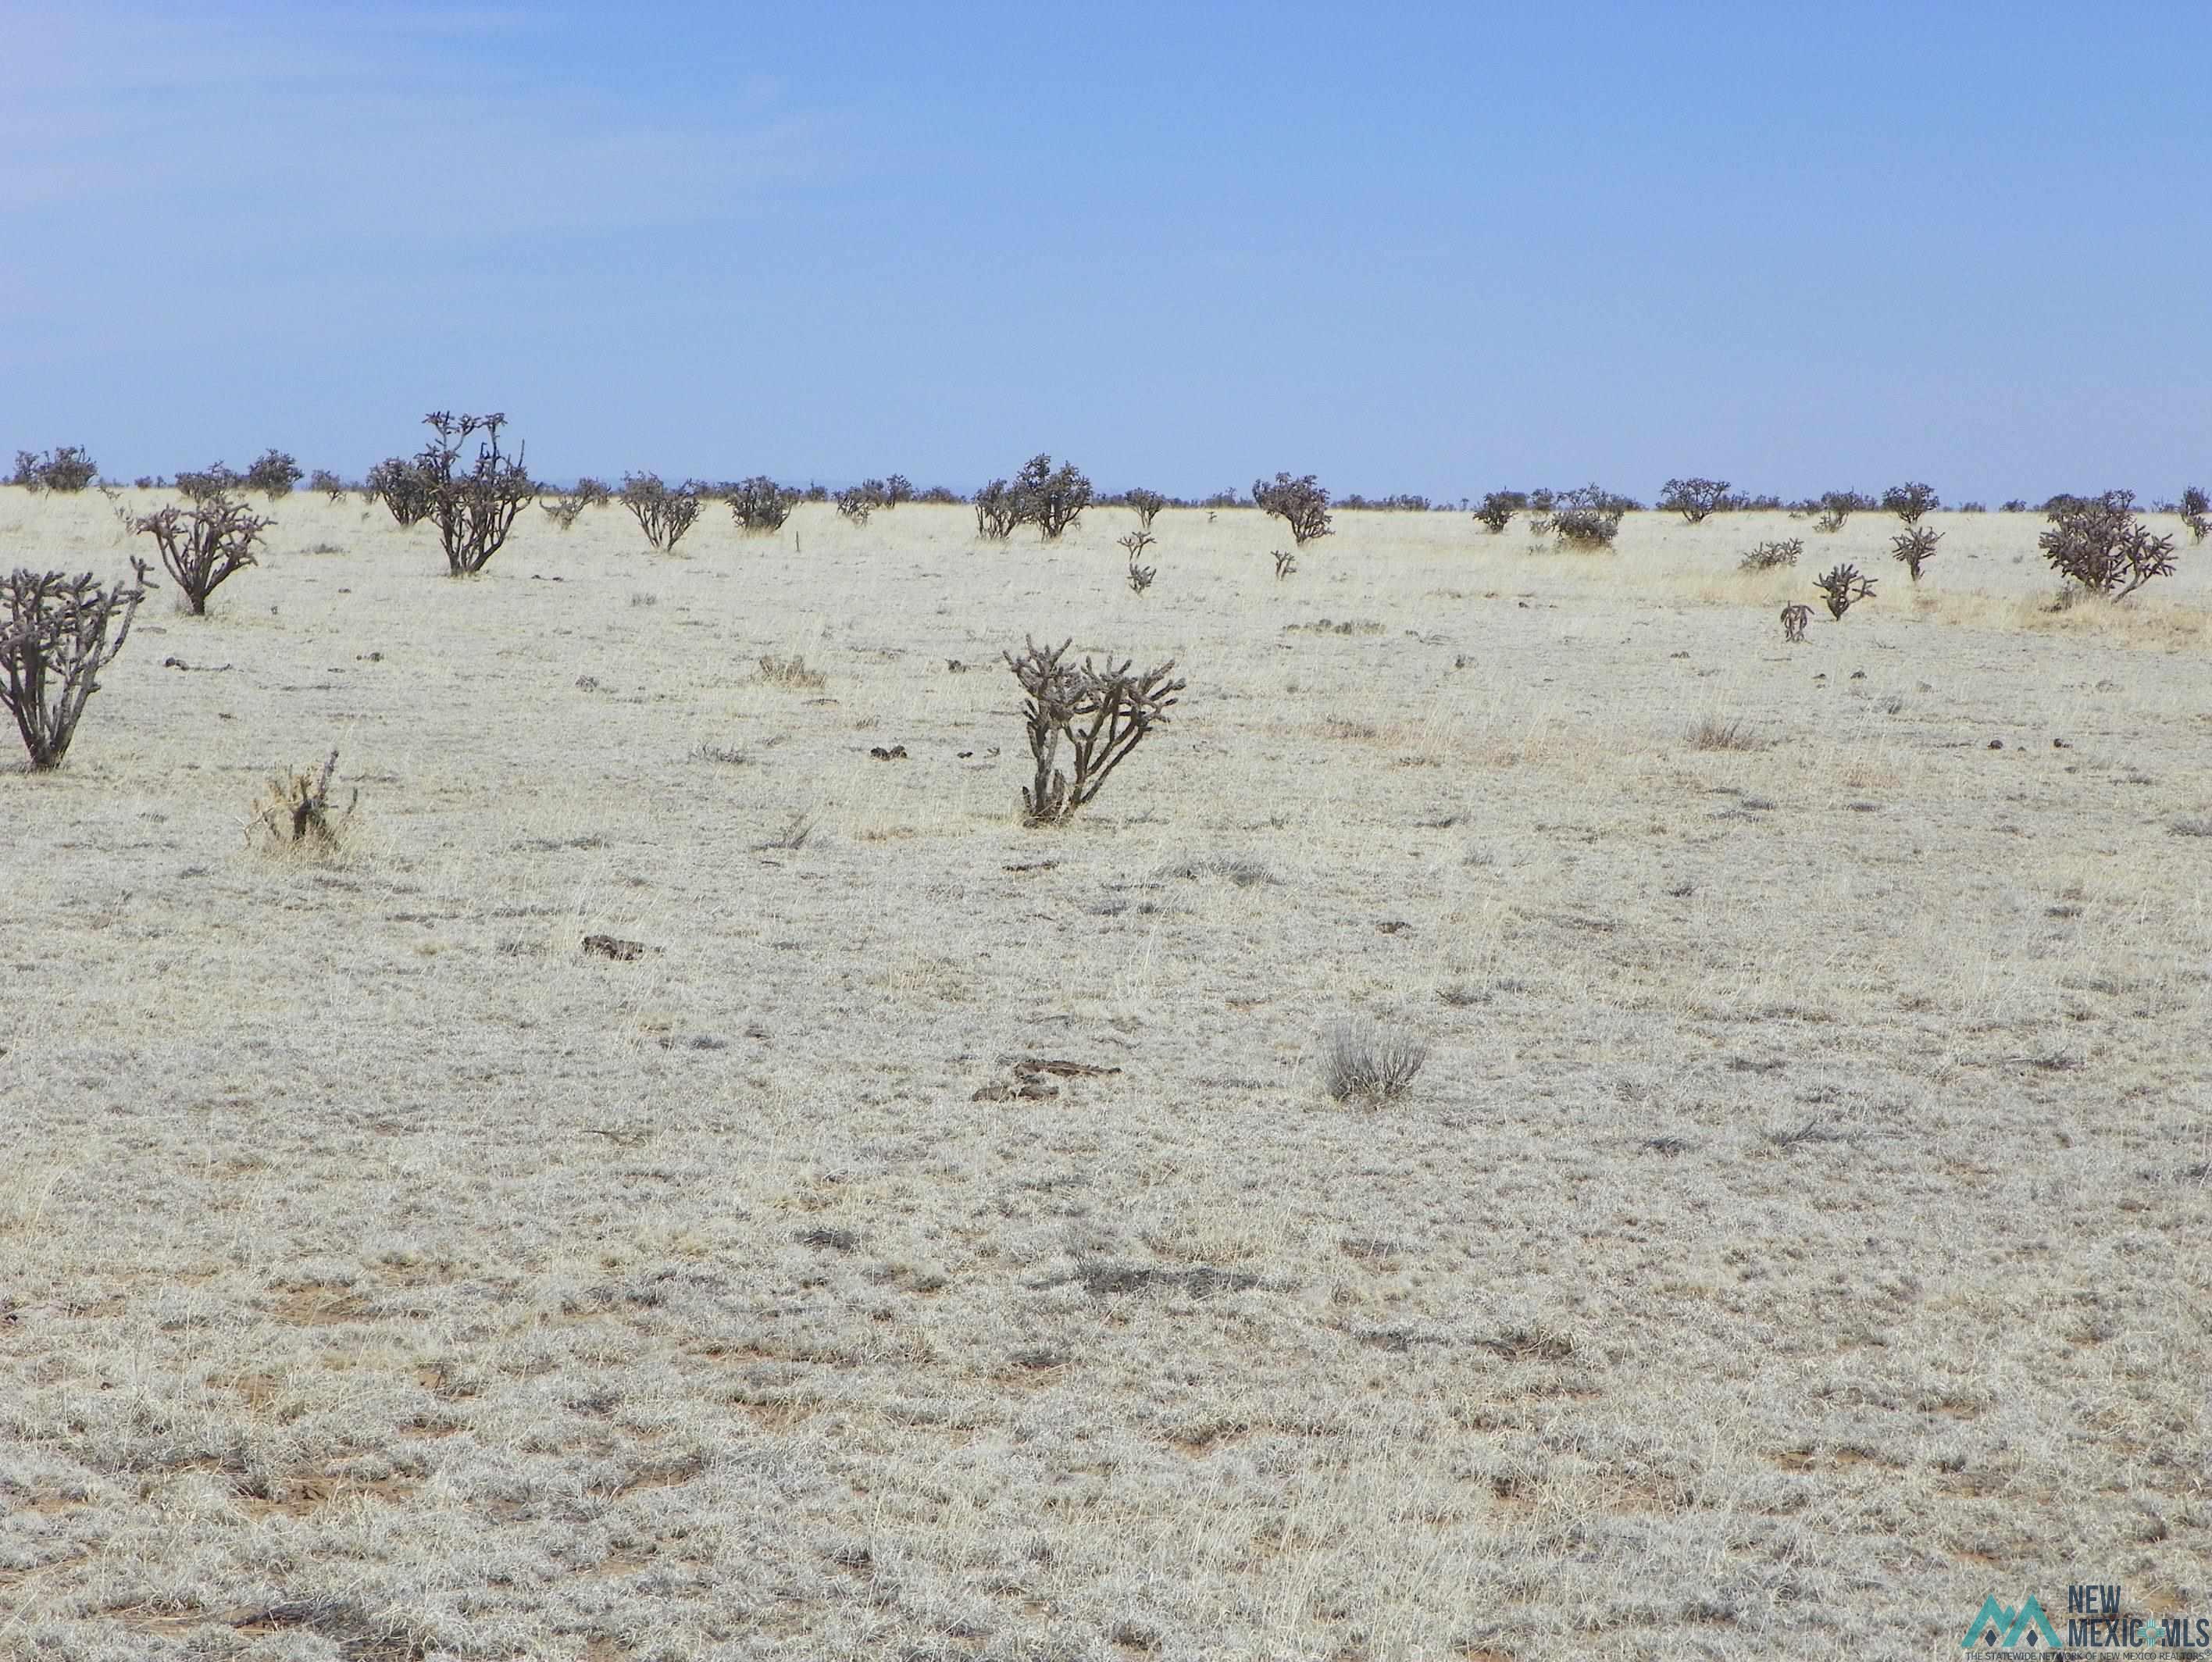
point(1797, 1235)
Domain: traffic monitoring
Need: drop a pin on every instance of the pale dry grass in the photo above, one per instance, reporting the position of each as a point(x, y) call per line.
point(1802, 1200)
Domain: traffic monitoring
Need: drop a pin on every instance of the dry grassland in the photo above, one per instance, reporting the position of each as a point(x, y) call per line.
point(1798, 1234)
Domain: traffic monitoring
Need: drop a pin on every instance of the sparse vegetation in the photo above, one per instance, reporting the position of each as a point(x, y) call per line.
point(760, 506)
point(897, 490)
point(1366, 1061)
point(1302, 504)
point(1915, 547)
point(1286, 563)
point(996, 511)
point(1146, 505)
point(1102, 714)
point(294, 812)
point(1843, 588)
point(474, 507)
point(273, 474)
point(65, 469)
point(1051, 499)
point(1714, 734)
point(2197, 513)
point(1768, 556)
point(203, 547)
point(398, 483)
point(1695, 499)
point(1140, 576)
point(1910, 502)
point(791, 671)
point(1498, 508)
point(1587, 517)
point(861, 501)
point(1795, 617)
point(663, 511)
point(329, 484)
point(57, 633)
point(2100, 544)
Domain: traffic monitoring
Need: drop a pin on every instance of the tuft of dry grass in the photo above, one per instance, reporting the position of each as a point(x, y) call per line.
point(1714, 734)
point(1367, 1061)
point(791, 671)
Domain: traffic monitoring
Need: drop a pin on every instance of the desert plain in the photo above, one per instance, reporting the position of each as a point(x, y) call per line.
point(1800, 1229)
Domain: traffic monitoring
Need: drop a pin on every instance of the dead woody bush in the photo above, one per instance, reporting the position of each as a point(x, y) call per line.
point(57, 634)
point(1795, 617)
point(204, 545)
point(1102, 714)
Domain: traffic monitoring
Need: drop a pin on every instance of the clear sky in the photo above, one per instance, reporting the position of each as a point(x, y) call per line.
point(1407, 247)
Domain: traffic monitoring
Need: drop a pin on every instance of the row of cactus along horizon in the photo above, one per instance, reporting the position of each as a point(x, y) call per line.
point(1053, 498)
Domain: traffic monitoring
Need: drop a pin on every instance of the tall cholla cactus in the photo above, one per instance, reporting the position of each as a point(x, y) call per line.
point(57, 634)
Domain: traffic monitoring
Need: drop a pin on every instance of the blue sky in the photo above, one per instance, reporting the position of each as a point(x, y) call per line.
point(1419, 248)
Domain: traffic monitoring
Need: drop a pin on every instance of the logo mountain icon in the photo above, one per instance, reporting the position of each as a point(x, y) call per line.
point(1999, 1626)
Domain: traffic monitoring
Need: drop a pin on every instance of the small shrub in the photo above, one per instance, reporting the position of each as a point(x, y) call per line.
point(996, 511)
point(1301, 504)
point(896, 489)
point(1140, 577)
point(1102, 714)
point(1768, 556)
point(1286, 563)
point(146, 481)
point(861, 501)
point(2197, 513)
point(2098, 543)
point(1915, 547)
point(1795, 617)
point(1586, 517)
point(1910, 502)
point(1695, 499)
point(663, 513)
point(1498, 510)
point(2017, 504)
point(204, 546)
point(294, 811)
point(760, 506)
point(1363, 1061)
point(1972, 507)
point(57, 634)
point(329, 483)
point(68, 469)
point(1051, 499)
point(1845, 588)
point(273, 474)
point(1146, 505)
